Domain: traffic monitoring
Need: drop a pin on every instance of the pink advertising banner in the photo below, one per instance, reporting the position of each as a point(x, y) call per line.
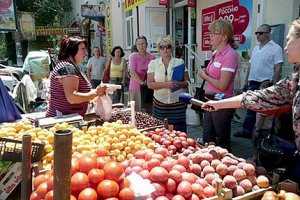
point(237, 12)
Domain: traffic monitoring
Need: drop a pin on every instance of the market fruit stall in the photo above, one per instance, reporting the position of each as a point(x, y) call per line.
point(118, 161)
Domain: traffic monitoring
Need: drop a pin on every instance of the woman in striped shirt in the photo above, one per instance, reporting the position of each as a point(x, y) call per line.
point(70, 91)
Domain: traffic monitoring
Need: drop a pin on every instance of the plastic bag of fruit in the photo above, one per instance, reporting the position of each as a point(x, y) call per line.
point(103, 107)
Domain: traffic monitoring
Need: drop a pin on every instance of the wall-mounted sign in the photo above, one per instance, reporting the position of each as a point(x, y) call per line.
point(164, 2)
point(45, 31)
point(27, 25)
point(192, 3)
point(130, 4)
point(93, 10)
point(7, 15)
point(237, 12)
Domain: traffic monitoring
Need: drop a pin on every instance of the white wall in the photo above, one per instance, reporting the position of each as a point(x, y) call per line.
point(118, 26)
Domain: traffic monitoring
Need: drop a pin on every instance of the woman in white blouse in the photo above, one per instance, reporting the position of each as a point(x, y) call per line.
point(159, 78)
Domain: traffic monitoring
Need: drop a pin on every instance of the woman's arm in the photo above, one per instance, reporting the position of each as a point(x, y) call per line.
point(233, 102)
point(224, 81)
point(70, 84)
point(270, 98)
point(157, 85)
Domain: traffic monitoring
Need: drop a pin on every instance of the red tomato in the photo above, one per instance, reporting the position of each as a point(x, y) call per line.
point(107, 189)
point(87, 194)
point(101, 162)
point(42, 190)
point(101, 152)
point(79, 181)
point(50, 183)
point(34, 196)
point(86, 163)
point(38, 180)
point(49, 195)
point(113, 171)
point(74, 166)
point(126, 194)
point(96, 176)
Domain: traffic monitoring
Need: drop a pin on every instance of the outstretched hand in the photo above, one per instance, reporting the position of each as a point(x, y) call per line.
point(211, 106)
point(101, 90)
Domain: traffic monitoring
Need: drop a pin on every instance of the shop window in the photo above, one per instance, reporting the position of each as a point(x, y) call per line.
point(129, 29)
point(156, 25)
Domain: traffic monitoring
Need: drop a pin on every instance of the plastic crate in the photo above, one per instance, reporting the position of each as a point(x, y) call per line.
point(11, 150)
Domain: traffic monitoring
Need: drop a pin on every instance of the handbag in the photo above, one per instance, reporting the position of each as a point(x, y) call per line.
point(200, 95)
point(274, 152)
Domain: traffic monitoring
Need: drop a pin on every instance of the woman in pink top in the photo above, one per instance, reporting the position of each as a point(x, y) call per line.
point(219, 76)
point(138, 65)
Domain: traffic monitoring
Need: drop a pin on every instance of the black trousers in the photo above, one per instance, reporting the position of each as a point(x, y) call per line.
point(217, 127)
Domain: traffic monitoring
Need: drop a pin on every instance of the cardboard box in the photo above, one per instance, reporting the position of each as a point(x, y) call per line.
point(10, 181)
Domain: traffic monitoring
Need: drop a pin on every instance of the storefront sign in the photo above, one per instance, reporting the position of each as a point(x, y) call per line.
point(27, 25)
point(237, 12)
point(45, 31)
point(93, 10)
point(7, 15)
point(164, 2)
point(192, 3)
point(130, 4)
point(108, 28)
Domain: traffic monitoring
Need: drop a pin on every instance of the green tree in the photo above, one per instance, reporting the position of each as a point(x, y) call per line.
point(46, 12)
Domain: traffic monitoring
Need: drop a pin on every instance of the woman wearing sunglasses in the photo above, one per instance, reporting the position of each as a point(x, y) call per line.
point(219, 76)
point(166, 90)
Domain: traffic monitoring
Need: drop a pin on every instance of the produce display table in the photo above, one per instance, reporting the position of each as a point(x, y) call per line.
point(170, 163)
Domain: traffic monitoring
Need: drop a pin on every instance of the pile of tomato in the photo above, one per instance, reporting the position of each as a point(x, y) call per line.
point(92, 178)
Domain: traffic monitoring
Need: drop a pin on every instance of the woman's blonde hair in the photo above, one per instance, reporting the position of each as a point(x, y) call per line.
point(223, 27)
point(165, 40)
point(295, 28)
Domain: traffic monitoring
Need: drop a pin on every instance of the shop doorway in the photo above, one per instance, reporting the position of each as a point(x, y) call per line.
point(181, 29)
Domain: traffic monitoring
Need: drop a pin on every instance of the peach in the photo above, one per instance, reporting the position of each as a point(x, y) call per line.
point(262, 181)
point(214, 163)
point(229, 182)
point(209, 191)
point(249, 169)
point(207, 170)
point(239, 174)
point(221, 169)
point(204, 163)
point(231, 169)
point(246, 184)
point(238, 191)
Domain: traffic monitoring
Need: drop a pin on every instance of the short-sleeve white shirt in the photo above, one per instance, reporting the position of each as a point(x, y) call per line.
point(263, 61)
point(157, 67)
point(97, 67)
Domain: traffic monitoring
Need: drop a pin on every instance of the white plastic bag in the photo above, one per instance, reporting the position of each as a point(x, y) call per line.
point(103, 107)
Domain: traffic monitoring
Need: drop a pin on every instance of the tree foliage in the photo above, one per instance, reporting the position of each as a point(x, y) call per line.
point(46, 12)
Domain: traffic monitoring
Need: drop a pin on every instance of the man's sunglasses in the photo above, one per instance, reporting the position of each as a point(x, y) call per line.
point(260, 33)
point(165, 46)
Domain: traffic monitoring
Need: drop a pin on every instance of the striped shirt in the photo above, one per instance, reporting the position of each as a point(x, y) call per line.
point(58, 102)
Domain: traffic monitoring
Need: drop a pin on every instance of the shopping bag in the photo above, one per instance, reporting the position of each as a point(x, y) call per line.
point(8, 109)
point(103, 107)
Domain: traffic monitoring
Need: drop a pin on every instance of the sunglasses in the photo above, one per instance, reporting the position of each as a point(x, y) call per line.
point(260, 33)
point(165, 46)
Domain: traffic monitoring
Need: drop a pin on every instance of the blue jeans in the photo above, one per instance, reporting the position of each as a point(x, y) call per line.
point(250, 118)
